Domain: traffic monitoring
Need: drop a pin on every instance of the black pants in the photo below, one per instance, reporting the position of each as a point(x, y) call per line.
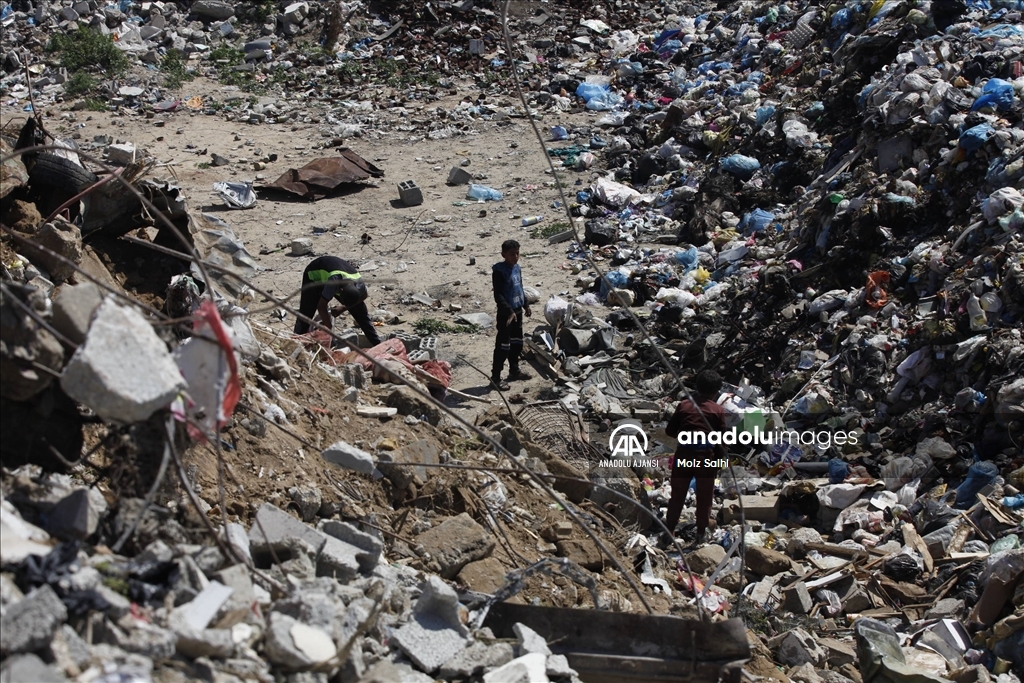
point(508, 345)
point(310, 299)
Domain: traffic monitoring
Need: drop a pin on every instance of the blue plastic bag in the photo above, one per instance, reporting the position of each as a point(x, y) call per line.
point(488, 194)
point(996, 93)
point(688, 259)
point(756, 221)
point(615, 279)
point(842, 19)
point(743, 167)
point(972, 139)
point(588, 91)
point(763, 115)
point(837, 471)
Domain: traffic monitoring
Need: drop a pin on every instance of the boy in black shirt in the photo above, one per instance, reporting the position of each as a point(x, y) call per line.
point(507, 280)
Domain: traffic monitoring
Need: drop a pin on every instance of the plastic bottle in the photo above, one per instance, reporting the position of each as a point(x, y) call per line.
point(977, 314)
point(991, 303)
point(532, 220)
point(483, 193)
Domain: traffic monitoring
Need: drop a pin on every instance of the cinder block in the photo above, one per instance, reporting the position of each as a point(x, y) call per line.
point(410, 193)
point(459, 176)
point(429, 344)
point(411, 341)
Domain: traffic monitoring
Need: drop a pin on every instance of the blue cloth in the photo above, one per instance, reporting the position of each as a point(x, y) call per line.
point(512, 279)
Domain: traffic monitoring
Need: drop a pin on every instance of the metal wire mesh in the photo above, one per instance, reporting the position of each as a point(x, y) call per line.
point(551, 425)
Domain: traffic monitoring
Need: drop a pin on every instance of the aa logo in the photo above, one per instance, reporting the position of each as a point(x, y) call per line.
point(625, 441)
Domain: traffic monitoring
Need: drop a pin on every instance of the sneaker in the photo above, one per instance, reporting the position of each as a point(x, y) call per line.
point(497, 383)
point(519, 375)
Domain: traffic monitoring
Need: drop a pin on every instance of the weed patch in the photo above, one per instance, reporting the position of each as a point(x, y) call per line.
point(85, 49)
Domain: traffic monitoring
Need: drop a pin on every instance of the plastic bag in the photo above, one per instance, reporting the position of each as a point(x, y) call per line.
point(936, 448)
point(1001, 202)
point(672, 294)
point(904, 469)
point(688, 259)
point(996, 93)
point(902, 567)
point(837, 471)
point(756, 221)
point(531, 294)
point(741, 166)
point(555, 310)
point(482, 192)
point(974, 138)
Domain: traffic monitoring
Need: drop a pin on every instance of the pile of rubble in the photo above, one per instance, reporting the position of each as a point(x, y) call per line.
point(822, 203)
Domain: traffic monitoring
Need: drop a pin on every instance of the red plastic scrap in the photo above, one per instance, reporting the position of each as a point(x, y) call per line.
point(875, 294)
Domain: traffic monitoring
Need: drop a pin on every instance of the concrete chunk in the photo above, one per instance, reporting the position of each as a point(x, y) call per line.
point(28, 669)
point(455, 543)
point(368, 547)
point(274, 530)
point(30, 624)
point(475, 659)
point(349, 457)
point(529, 641)
point(123, 372)
point(797, 599)
point(78, 514)
point(293, 645)
point(435, 634)
point(213, 9)
point(73, 308)
point(767, 562)
point(705, 559)
point(799, 647)
point(200, 611)
point(459, 176)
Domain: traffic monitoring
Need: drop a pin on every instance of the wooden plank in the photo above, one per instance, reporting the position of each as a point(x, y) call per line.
point(913, 539)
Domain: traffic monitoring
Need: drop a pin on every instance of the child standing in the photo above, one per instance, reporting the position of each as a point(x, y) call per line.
point(507, 279)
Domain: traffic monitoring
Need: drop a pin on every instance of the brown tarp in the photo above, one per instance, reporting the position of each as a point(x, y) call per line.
point(321, 177)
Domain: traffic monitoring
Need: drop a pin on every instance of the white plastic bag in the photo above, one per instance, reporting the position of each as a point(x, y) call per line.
point(555, 310)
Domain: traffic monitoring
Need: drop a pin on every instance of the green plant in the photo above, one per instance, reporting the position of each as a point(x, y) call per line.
point(433, 326)
point(116, 584)
point(87, 49)
point(545, 231)
point(79, 83)
point(174, 70)
point(203, 165)
point(226, 58)
point(95, 104)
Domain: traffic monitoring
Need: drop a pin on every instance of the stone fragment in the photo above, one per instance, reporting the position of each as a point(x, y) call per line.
point(705, 559)
point(804, 673)
point(215, 10)
point(583, 552)
point(766, 562)
point(307, 501)
point(558, 667)
point(200, 611)
point(947, 608)
point(839, 653)
point(28, 669)
point(483, 576)
point(211, 642)
point(367, 547)
point(349, 457)
point(121, 154)
point(455, 543)
point(29, 625)
point(63, 238)
point(293, 645)
point(459, 176)
point(396, 464)
point(409, 403)
point(123, 371)
point(73, 308)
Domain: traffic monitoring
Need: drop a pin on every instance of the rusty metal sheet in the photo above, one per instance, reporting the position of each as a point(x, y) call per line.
point(322, 177)
point(607, 647)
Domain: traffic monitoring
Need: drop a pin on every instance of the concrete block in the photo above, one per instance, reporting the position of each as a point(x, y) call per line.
point(301, 246)
point(476, 659)
point(73, 308)
point(531, 668)
point(411, 341)
point(757, 508)
point(121, 154)
point(307, 499)
point(410, 193)
point(797, 599)
point(214, 10)
point(459, 176)
point(476, 47)
point(238, 539)
point(30, 624)
point(274, 529)
point(123, 371)
point(409, 403)
point(429, 344)
point(349, 457)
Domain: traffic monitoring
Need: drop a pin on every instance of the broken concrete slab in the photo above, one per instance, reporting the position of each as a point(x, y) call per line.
point(123, 371)
point(200, 611)
point(797, 599)
point(349, 457)
point(368, 547)
point(531, 668)
point(73, 308)
point(475, 659)
point(455, 543)
point(274, 531)
point(435, 634)
point(29, 625)
point(800, 647)
point(77, 515)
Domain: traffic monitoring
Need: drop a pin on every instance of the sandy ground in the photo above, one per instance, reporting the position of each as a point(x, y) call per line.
point(435, 241)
